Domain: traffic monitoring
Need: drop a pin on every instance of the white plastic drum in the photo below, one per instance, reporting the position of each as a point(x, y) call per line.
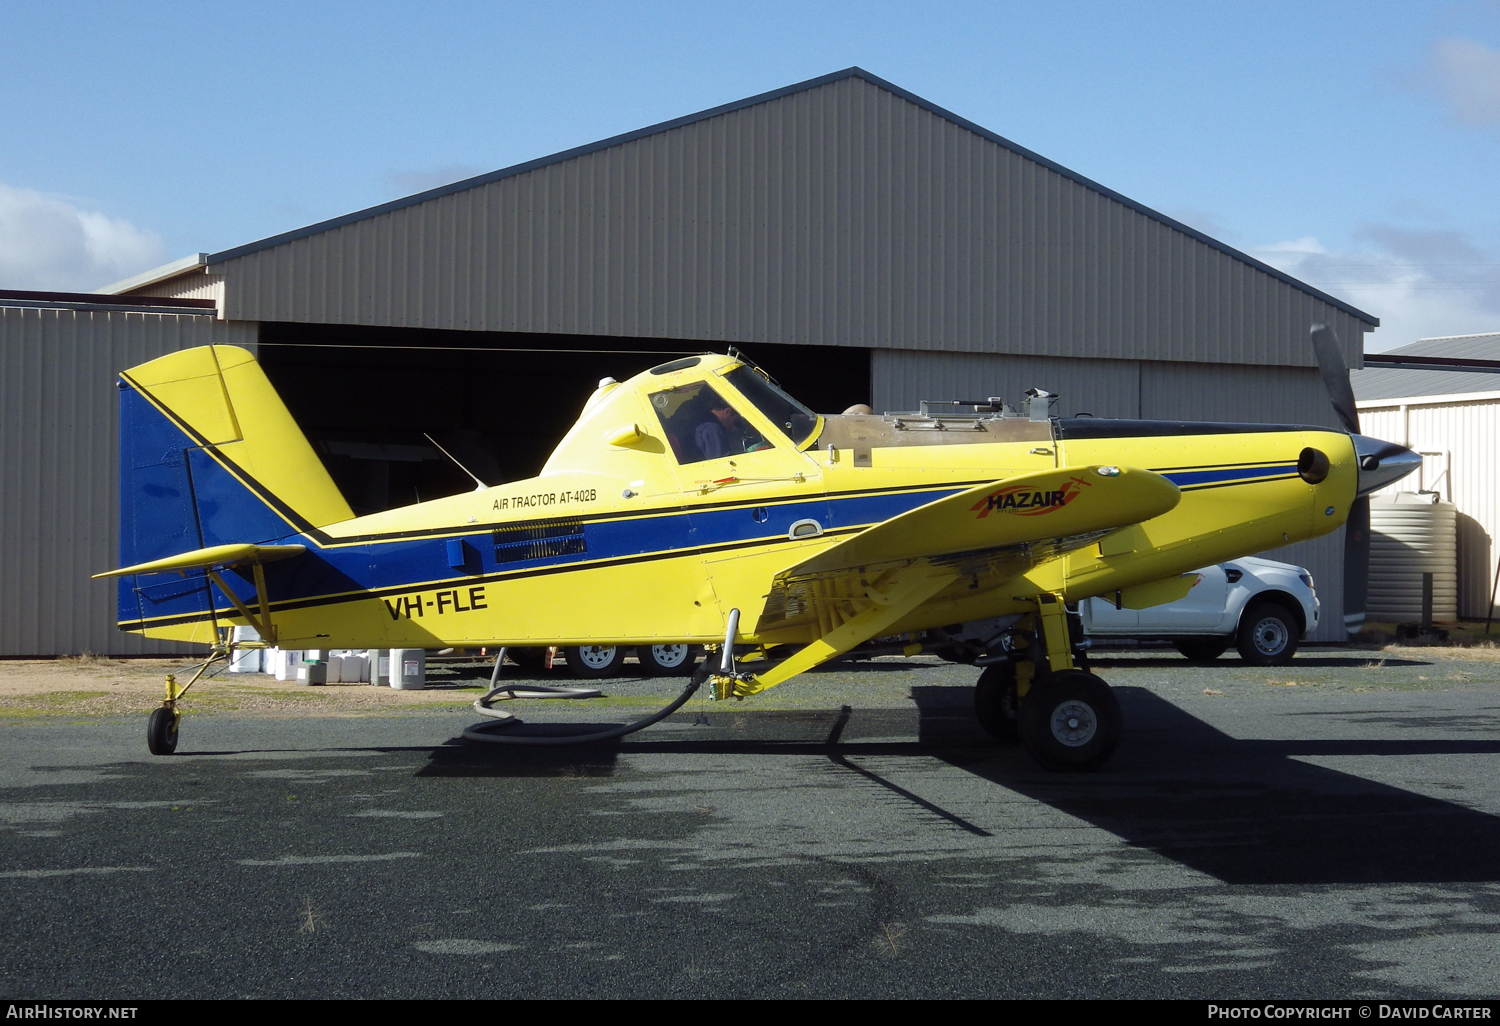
point(245, 660)
point(408, 669)
point(378, 660)
point(1412, 533)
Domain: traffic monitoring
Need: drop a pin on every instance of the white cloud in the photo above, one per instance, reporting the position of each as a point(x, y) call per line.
point(1419, 283)
point(1466, 74)
point(48, 244)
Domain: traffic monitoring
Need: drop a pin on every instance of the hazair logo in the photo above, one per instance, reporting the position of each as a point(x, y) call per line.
point(1025, 501)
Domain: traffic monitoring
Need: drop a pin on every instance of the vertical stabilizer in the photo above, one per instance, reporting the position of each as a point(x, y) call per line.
point(209, 456)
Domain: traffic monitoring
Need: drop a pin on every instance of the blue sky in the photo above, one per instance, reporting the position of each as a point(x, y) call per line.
point(1354, 144)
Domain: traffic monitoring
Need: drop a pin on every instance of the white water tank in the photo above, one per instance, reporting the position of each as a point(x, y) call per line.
point(1411, 534)
point(408, 669)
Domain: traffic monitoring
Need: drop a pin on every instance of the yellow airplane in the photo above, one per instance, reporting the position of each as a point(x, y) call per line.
point(698, 503)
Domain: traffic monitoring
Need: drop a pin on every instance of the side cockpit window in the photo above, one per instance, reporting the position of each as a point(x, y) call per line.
point(701, 425)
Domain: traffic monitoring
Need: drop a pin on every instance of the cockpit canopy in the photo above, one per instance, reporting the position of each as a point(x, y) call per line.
point(700, 423)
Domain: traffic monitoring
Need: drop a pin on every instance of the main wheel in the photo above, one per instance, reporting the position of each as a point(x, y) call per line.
point(1268, 635)
point(161, 731)
point(1070, 721)
point(594, 661)
point(995, 703)
point(1202, 650)
point(667, 660)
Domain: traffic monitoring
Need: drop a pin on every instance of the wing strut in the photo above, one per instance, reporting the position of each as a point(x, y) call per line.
point(262, 624)
point(906, 589)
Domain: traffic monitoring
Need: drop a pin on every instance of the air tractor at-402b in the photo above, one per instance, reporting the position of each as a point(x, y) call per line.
point(698, 503)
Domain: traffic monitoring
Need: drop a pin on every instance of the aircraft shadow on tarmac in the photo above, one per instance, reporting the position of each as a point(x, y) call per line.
point(1241, 811)
point(1305, 662)
point(1247, 812)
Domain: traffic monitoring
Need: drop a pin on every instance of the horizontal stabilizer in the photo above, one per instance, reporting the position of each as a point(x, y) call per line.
point(1035, 507)
point(215, 557)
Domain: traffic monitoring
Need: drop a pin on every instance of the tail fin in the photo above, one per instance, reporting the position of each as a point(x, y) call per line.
point(209, 456)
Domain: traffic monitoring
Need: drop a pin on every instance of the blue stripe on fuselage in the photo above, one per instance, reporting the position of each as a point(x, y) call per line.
point(1199, 478)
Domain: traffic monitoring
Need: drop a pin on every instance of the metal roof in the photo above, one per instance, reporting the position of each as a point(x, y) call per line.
point(666, 126)
point(156, 274)
point(1410, 382)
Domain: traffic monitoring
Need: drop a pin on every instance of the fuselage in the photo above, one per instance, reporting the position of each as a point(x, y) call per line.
point(635, 533)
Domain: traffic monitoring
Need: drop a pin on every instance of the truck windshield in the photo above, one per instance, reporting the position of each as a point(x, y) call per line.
point(779, 408)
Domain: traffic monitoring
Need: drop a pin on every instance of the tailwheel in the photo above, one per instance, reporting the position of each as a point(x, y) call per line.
point(1070, 721)
point(995, 703)
point(161, 730)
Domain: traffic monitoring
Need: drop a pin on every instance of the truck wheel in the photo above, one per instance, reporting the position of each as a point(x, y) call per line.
point(1268, 635)
point(1070, 721)
point(667, 660)
point(995, 703)
point(593, 662)
point(1202, 650)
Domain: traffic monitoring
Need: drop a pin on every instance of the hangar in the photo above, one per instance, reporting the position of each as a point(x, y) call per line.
point(860, 242)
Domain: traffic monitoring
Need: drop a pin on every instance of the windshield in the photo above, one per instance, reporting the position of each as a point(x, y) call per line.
point(700, 425)
point(780, 409)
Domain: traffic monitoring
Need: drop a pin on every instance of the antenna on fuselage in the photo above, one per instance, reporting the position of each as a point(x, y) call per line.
point(479, 485)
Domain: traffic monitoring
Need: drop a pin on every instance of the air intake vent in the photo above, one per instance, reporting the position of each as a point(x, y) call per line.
point(538, 540)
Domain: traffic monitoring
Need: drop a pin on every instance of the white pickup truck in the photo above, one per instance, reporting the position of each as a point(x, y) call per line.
point(1262, 607)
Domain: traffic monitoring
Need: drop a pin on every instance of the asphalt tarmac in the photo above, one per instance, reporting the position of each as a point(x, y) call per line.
point(1327, 830)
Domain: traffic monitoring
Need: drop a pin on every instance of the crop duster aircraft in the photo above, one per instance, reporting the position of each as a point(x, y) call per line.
point(698, 503)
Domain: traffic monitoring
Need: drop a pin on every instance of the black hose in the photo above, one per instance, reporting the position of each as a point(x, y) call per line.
point(482, 731)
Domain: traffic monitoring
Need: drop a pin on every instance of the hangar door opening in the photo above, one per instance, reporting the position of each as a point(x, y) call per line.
point(498, 401)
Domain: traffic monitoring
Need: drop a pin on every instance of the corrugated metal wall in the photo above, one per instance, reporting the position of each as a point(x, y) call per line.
point(1108, 388)
point(1459, 437)
point(1137, 389)
point(192, 285)
point(59, 431)
point(841, 214)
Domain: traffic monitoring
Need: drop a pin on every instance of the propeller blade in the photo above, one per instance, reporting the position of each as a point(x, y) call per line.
point(1356, 564)
point(1335, 376)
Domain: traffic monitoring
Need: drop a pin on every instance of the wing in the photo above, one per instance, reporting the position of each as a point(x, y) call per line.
point(215, 557)
point(988, 535)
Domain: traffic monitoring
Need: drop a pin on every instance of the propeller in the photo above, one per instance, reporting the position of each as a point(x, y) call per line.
point(1357, 528)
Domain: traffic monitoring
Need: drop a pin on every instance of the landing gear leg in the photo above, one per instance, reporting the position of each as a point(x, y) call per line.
point(161, 728)
point(1068, 718)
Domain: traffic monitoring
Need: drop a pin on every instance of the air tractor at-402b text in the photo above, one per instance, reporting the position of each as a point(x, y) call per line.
point(699, 504)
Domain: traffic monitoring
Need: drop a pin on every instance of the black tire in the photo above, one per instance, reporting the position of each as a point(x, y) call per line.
point(1070, 721)
point(668, 660)
point(1268, 635)
point(161, 731)
point(532, 660)
point(995, 703)
point(594, 662)
point(1202, 650)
